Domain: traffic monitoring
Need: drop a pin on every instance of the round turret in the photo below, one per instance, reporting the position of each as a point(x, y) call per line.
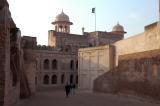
point(62, 23)
point(118, 29)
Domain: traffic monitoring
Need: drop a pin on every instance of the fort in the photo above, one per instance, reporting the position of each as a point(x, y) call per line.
point(97, 61)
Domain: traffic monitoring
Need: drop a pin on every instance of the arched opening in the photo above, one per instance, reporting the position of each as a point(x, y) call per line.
point(76, 79)
point(54, 79)
point(54, 64)
point(71, 79)
point(71, 64)
point(62, 79)
point(60, 27)
point(77, 64)
point(46, 80)
point(68, 48)
point(46, 64)
point(90, 45)
point(66, 29)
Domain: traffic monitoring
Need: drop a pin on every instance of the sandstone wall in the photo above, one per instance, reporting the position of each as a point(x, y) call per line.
point(149, 40)
point(137, 74)
point(137, 68)
point(9, 91)
point(93, 62)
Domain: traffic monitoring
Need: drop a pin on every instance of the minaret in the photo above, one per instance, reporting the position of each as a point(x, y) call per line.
point(62, 23)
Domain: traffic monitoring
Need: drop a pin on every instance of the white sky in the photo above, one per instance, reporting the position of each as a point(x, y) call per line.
point(34, 17)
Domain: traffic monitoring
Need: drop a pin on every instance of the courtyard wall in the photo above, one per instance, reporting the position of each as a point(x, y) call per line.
point(137, 67)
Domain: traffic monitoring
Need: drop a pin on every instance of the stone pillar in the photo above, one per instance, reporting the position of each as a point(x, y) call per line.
point(68, 29)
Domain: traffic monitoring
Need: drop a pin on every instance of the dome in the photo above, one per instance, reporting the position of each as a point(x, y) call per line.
point(118, 28)
point(62, 17)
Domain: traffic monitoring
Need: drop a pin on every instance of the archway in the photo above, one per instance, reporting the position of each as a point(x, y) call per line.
point(76, 79)
point(46, 64)
point(46, 80)
point(71, 79)
point(71, 64)
point(54, 64)
point(54, 79)
point(62, 79)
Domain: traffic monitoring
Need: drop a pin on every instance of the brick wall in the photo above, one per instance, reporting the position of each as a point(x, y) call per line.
point(3, 35)
point(137, 73)
point(148, 40)
point(137, 68)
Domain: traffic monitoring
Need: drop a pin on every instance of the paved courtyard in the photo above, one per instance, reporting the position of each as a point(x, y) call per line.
point(81, 98)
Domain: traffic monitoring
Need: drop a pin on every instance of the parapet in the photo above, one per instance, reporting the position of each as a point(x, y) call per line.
point(151, 26)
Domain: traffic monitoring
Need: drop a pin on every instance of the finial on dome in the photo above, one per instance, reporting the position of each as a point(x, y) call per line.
point(118, 29)
point(62, 10)
point(118, 23)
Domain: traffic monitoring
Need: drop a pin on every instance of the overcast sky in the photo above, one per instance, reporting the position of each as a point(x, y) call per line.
point(34, 17)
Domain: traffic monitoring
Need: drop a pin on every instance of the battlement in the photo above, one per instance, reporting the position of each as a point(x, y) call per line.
point(151, 26)
point(44, 47)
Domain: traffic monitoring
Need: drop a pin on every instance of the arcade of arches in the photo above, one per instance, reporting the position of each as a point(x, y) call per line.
point(56, 72)
point(54, 63)
point(53, 79)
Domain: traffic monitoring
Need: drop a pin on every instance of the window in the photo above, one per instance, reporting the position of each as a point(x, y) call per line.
point(71, 79)
point(62, 79)
point(54, 64)
point(46, 64)
point(46, 79)
point(54, 79)
point(76, 79)
point(77, 64)
point(71, 64)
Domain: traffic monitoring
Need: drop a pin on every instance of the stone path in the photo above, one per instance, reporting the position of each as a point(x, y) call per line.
point(57, 98)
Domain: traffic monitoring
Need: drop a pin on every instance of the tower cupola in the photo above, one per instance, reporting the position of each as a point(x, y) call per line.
point(62, 23)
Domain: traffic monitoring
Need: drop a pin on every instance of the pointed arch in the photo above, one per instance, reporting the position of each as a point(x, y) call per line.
point(76, 79)
point(77, 64)
point(71, 79)
point(46, 64)
point(71, 64)
point(46, 79)
point(54, 79)
point(54, 64)
point(62, 79)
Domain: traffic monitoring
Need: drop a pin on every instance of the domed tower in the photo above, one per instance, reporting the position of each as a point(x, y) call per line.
point(62, 23)
point(118, 29)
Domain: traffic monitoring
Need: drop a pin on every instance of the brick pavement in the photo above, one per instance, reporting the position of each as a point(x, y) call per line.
point(81, 98)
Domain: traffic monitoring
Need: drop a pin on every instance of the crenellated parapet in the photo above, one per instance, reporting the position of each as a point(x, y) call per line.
point(44, 47)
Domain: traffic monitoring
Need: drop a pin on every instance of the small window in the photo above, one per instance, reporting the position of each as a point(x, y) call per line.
point(54, 79)
point(77, 64)
point(71, 64)
point(62, 79)
point(46, 80)
point(54, 64)
point(71, 79)
point(46, 64)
